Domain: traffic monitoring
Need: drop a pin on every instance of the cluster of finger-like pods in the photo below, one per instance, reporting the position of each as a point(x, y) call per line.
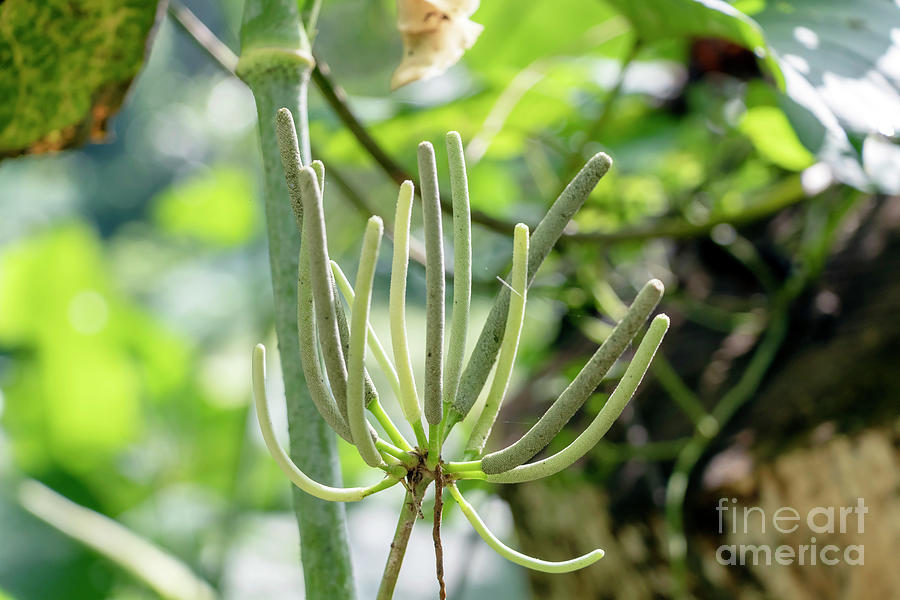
point(343, 392)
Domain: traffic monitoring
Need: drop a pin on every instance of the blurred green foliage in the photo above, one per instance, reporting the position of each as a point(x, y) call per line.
point(215, 207)
point(133, 279)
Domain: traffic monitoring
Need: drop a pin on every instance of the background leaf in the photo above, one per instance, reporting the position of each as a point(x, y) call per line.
point(842, 72)
point(661, 19)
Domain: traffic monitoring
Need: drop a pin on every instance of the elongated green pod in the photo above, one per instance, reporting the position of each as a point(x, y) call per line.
point(462, 266)
point(322, 291)
point(371, 393)
point(515, 316)
point(319, 167)
point(543, 239)
point(284, 462)
point(409, 399)
point(356, 405)
point(309, 360)
point(604, 419)
point(375, 345)
point(536, 564)
point(381, 357)
point(434, 285)
point(289, 149)
point(581, 388)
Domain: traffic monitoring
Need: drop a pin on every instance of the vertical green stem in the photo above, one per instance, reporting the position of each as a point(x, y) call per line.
point(408, 514)
point(275, 63)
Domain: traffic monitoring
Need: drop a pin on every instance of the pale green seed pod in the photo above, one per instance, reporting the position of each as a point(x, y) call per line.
point(359, 328)
point(604, 419)
point(581, 388)
point(543, 238)
point(434, 285)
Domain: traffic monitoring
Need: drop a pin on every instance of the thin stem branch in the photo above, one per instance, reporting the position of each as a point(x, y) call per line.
point(197, 30)
point(336, 98)
point(576, 158)
point(436, 530)
point(408, 514)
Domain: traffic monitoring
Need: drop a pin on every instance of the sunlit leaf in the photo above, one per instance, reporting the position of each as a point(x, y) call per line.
point(662, 19)
point(769, 130)
point(65, 67)
point(841, 63)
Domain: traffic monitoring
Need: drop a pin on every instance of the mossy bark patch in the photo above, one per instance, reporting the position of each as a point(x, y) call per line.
point(65, 67)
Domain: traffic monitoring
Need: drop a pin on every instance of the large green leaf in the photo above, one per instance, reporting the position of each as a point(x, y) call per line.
point(661, 19)
point(65, 66)
point(837, 62)
point(841, 64)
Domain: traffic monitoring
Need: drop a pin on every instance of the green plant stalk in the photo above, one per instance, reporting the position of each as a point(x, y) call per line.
point(408, 514)
point(275, 63)
point(543, 238)
point(434, 286)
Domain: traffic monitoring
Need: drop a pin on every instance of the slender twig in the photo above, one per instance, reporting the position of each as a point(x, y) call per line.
point(408, 514)
point(336, 98)
point(783, 193)
point(197, 30)
point(311, 17)
point(436, 530)
point(597, 127)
